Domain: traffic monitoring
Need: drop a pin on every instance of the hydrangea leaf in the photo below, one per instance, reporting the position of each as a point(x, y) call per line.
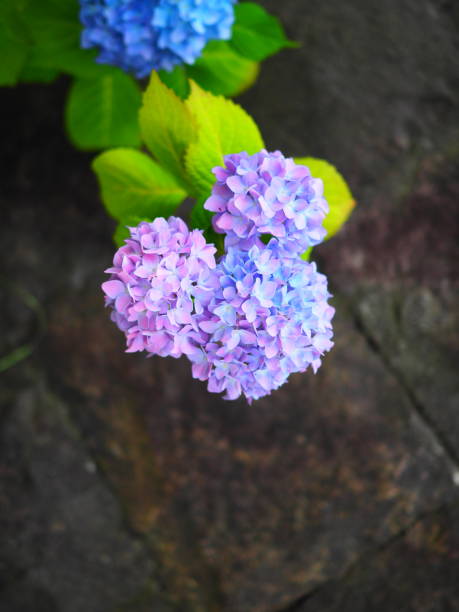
point(219, 69)
point(53, 11)
point(55, 31)
point(73, 60)
point(176, 80)
point(121, 232)
point(336, 192)
point(223, 128)
point(8, 8)
point(256, 33)
point(23, 351)
point(13, 53)
point(53, 26)
point(14, 42)
point(200, 218)
point(54, 36)
point(166, 125)
point(135, 186)
point(36, 74)
point(223, 71)
point(42, 39)
point(103, 112)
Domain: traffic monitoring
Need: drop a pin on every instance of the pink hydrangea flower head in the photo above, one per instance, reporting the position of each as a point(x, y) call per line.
point(152, 284)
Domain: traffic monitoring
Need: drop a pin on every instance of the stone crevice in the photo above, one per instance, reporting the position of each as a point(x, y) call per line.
point(298, 604)
point(439, 442)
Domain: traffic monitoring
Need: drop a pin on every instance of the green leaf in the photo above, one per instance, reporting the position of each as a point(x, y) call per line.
point(256, 33)
point(166, 125)
point(336, 192)
point(56, 30)
point(73, 60)
point(121, 232)
point(46, 40)
point(135, 186)
point(102, 112)
point(21, 352)
point(37, 74)
point(13, 53)
point(53, 25)
point(176, 80)
point(202, 219)
point(14, 42)
point(223, 71)
point(223, 128)
point(49, 10)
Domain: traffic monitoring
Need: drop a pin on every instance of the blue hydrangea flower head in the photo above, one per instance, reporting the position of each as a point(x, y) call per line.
point(144, 35)
point(267, 193)
point(265, 316)
point(152, 284)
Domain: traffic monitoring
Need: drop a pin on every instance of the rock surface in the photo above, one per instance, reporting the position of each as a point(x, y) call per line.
point(125, 486)
point(416, 571)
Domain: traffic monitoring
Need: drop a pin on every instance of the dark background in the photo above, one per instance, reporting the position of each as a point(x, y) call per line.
point(125, 486)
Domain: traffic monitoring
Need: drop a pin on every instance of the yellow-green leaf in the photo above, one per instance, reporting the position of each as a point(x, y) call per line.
point(121, 232)
point(166, 125)
point(336, 192)
point(223, 128)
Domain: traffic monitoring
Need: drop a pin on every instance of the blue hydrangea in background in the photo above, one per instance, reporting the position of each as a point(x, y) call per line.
point(144, 35)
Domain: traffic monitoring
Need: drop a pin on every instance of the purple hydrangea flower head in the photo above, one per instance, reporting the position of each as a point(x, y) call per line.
point(265, 316)
point(144, 35)
point(151, 289)
point(267, 193)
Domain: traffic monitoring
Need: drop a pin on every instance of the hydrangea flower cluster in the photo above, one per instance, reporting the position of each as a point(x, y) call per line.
point(266, 317)
point(267, 193)
point(144, 35)
point(153, 280)
point(245, 325)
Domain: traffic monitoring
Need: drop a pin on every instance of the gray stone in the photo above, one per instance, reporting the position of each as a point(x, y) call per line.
point(417, 333)
point(64, 544)
point(276, 498)
point(126, 487)
point(372, 88)
point(416, 571)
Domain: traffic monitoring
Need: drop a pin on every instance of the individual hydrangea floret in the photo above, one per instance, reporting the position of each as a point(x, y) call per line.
point(267, 193)
point(265, 316)
point(144, 35)
point(152, 285)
